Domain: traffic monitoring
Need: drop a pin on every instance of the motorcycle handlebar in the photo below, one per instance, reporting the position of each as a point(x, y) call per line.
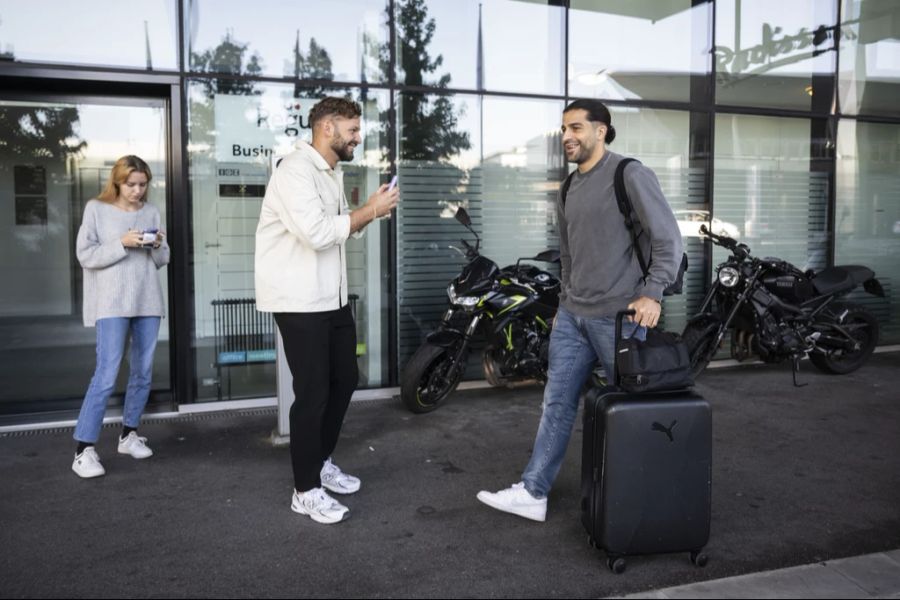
point(740, 250)
point(471, 251)
point(719, 240)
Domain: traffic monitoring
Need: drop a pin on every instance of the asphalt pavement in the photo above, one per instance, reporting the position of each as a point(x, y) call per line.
point(802, 478)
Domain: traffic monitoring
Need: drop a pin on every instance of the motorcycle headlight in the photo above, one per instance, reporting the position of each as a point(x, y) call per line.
point(464, 301)
point(729, 276)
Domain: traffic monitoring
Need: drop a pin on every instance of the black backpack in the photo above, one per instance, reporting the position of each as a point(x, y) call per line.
point(627, 211)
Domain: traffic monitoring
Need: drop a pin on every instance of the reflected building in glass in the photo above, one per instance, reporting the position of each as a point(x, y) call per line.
point(773, 122)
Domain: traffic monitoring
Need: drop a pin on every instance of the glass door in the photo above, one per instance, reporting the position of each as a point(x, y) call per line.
point(55, 155)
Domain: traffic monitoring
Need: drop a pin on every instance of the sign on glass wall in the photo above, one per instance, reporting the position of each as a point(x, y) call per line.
point(252, 129)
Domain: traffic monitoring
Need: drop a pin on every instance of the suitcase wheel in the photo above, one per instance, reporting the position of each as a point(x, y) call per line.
point(698, 558)
point(616, 564)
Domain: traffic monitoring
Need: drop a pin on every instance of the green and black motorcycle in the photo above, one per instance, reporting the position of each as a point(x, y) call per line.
point(513, 309)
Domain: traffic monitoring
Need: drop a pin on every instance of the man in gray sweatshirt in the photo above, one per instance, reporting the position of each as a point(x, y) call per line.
point(601, 275)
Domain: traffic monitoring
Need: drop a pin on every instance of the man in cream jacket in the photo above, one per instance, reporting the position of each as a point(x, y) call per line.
point(301, 277)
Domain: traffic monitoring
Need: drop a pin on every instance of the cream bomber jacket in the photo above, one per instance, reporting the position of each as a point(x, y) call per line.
point(301, 262)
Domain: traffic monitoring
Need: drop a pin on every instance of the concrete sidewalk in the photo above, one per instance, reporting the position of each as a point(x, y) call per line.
point(868, 576)
point(801, 476)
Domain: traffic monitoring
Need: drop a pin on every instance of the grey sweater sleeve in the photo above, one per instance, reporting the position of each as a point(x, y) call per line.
point(91, 252)
point(658, 223)
point(160, 255)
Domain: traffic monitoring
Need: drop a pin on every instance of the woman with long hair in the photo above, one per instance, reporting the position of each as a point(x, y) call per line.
point(120, 247)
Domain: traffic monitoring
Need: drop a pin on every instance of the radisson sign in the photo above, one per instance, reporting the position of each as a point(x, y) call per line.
point(777, 49)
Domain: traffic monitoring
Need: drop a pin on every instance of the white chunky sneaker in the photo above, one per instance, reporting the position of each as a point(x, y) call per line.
point(318, 506)
point(134, 445)
point(87, 464)
point(335, 480)
point(518, 501)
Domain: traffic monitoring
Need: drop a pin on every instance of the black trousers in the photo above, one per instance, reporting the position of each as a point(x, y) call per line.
point(321, 353)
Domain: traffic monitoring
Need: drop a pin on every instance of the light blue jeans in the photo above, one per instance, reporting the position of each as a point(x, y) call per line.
point(111, 336)
point(576, 343)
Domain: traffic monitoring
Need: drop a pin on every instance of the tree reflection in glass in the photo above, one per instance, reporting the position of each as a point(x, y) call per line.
point(430, 129)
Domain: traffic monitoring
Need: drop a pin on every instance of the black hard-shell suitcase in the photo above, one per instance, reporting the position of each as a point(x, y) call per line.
point(646, 473)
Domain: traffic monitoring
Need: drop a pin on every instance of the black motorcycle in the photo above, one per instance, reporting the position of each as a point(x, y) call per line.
point(776, 311)
point(512, 308)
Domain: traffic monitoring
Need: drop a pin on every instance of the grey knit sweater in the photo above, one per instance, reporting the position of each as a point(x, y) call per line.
point(601, 274)
point(119, 281)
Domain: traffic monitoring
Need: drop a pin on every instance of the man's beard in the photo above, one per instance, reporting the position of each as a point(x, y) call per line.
point(343, 149)
point(581, 154)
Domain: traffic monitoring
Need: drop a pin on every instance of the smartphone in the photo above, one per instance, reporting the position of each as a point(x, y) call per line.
point(391, 186)
point(148, 237)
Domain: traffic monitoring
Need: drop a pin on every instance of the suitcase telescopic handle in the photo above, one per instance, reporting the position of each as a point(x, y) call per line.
point(619, 316)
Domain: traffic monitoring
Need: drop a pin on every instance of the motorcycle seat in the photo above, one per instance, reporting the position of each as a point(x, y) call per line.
point(838, 279)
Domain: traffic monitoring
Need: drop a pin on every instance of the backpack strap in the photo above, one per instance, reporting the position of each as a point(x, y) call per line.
point(626, 209)
point(565, 188)
point(622, 201)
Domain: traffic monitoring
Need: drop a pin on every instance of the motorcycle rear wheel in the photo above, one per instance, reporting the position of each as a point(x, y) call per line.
point(863, 327)
point(429, 377)
point(699, 337)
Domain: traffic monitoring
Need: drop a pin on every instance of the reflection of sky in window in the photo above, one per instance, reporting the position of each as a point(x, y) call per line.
point(114, 131)
point(511, 123)
point(456, 38)
point(97, 32)
point(522, 44)
point(270, 28)
point(883, 59)
point(524, 57)
point(601, 40)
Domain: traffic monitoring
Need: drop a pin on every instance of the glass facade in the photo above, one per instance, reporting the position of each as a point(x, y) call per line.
point(96, 32)
point(867, 213)
point(870, 57)
point(770, 53)
point(642, 49)
point(54, 157)
point(498, 158)
point(235, 138)
point(286, 38)
point(663, 140)
point(478, 47)
point(776, 123)
point(766, 193)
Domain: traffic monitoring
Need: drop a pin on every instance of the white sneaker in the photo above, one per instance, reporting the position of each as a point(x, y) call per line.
point(318, 506)
point(134, 445)
point(518, 501)
point(335, 480)
point(87, 464)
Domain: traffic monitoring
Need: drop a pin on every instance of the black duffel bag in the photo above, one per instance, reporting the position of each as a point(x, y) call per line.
point(660, 363)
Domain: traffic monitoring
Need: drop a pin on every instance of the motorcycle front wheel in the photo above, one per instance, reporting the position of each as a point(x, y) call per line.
point(429, 377)
point(863, 328)
point(699, 337)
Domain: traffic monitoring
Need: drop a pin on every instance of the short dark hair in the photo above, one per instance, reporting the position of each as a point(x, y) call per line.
point(596, 113)
point(332, 106)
